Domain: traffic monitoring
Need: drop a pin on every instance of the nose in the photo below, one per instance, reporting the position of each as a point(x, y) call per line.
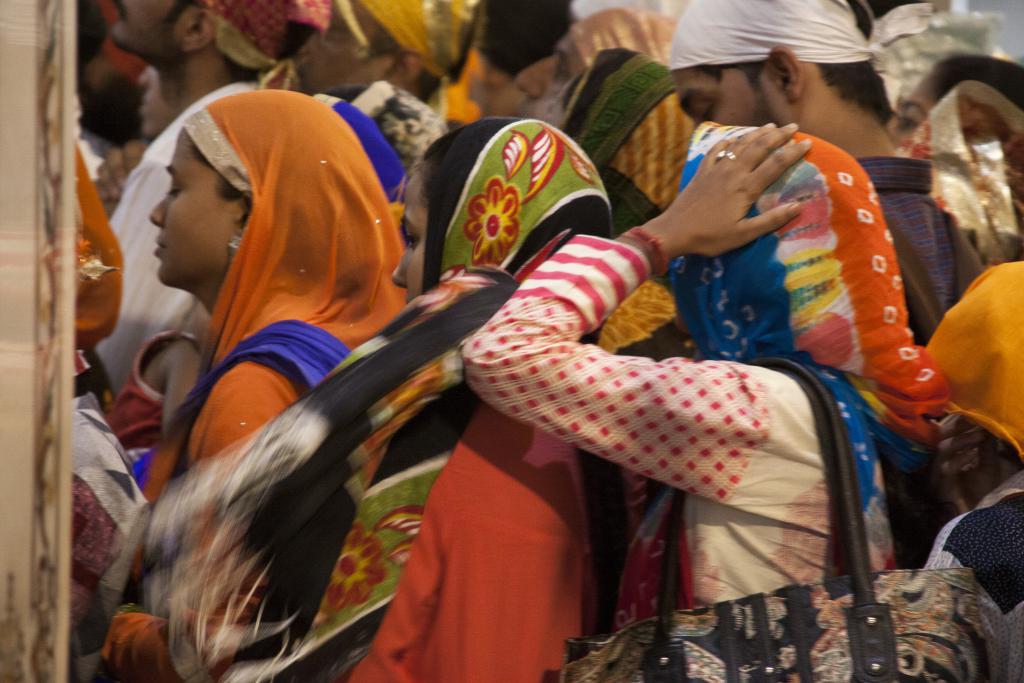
point(398, 276)
point(159, 213)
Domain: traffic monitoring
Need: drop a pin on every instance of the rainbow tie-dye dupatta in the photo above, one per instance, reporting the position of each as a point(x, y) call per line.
point(826, 291)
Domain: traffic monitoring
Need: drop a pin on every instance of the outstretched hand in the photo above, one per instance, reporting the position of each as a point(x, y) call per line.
point(709, 217)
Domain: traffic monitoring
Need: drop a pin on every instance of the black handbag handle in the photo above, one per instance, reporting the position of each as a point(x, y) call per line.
point(870, 626)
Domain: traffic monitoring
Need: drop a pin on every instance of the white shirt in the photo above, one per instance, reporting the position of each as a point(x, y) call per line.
point(149, 307)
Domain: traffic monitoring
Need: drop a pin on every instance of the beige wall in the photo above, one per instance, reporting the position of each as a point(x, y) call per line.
point(36, 262)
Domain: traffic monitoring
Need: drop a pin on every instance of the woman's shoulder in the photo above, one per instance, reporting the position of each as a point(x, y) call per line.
point(250, 382)
point(990, 541)
point(787, 403)
point(244, 399)
point(790, 439)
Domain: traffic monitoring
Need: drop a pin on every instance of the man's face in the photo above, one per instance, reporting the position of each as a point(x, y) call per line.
point(731, 99)
point(336, 56)
point(544, 83)
point(495, 91)
point(146, 28)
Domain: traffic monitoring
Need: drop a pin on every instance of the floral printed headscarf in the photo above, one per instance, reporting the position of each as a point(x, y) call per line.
point(526, 184)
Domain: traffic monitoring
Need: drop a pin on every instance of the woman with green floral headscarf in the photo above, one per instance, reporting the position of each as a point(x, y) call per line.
point(312, 525)
point(333, 525)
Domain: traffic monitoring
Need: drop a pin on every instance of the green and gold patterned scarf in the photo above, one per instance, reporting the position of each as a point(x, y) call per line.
point(320, 511)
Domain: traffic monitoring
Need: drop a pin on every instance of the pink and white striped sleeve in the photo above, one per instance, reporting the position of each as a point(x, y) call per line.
point(689, 424)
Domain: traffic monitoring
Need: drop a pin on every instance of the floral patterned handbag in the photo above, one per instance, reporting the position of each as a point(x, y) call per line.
point(920, 625)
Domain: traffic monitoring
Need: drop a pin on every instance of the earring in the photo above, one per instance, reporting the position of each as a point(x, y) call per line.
point(233, 244)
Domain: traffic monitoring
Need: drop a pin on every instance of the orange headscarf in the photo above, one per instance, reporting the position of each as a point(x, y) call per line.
point(319, 246)
point(98, 299)
point(320, 243)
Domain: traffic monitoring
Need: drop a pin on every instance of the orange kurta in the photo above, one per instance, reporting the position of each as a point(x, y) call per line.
point(499, 576)
point(247, 397)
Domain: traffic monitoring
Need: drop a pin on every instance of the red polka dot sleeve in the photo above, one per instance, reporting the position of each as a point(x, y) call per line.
point(690, 424)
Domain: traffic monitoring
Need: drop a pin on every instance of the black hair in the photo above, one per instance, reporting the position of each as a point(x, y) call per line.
point(92, 31)
point(1006, 77)
point(752, 70)
point(177, 9)
point(110, 107)
point(429, 166)
point(517, 34)
point(859, 83)
point(854, 82)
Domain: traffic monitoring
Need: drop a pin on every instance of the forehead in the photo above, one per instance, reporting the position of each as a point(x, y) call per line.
point(183, 148)
point(152, 8)
point(187, 160)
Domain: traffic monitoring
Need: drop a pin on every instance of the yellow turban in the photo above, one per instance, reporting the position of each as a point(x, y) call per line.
point(439, 30)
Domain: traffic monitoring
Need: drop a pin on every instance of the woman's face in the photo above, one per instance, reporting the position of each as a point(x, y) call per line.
point(196, 224)
point(409, 273)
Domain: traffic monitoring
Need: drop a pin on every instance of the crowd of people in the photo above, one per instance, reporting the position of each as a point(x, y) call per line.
point(414, 336)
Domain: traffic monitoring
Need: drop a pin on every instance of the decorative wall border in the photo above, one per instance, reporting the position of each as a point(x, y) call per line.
point(36, 335)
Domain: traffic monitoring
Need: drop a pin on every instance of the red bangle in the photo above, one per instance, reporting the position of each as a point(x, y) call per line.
point(651, 246)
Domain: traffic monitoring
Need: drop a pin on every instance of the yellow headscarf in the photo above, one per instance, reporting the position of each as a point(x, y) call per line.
point(980, 348)
point(436, 29)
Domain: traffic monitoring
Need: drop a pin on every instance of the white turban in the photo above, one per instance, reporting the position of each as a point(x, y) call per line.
point(717, 32)
point(581, 9)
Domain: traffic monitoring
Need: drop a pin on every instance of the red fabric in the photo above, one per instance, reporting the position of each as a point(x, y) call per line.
point(499, 576)
point(265, 22)
point(137, 414)
point(93, 533)
point(127, 63)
